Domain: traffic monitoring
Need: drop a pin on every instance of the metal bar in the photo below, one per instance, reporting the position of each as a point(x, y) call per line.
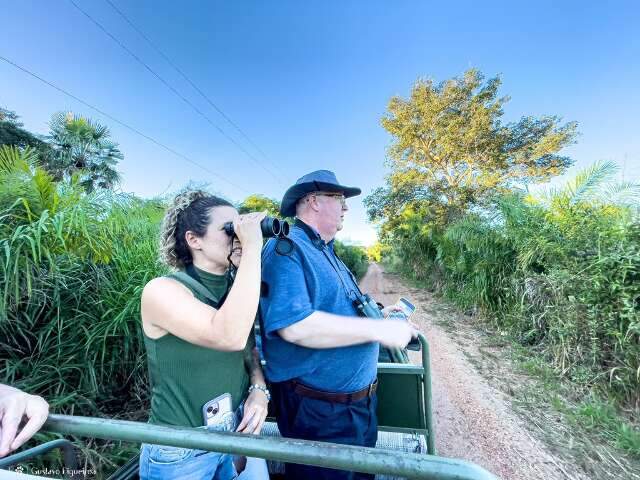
point(426, 363)
point(68, 452)
point(344, 457)
point(422, 404)
point(400, 368)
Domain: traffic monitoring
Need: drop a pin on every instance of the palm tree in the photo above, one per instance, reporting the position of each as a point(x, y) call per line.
point(82, 147)
point(595, 184)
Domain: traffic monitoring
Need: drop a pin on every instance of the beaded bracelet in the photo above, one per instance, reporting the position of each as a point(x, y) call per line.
point(262, 388)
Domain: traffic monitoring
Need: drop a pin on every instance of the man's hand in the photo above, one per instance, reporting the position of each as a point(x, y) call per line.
point(255, 413)
point(390, 309)
point(395, 333)
point(14, 407)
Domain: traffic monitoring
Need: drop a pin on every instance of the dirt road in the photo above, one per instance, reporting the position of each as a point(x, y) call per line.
point(473, 420)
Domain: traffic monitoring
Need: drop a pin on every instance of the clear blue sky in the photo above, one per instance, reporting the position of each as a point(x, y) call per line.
point(309, 81)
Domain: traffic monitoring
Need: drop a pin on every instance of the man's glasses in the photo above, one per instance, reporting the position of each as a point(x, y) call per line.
point(339, 196)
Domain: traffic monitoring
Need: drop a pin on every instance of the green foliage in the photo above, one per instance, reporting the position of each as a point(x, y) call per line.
point(375, 252)
point(452, 152)
point(561, 273)
point(82, 147)
point(71, 269)
point(354, 257)
point(12, 133)
point(260, 203)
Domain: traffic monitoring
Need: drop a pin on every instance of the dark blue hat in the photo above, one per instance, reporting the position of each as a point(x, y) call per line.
point(318, 181)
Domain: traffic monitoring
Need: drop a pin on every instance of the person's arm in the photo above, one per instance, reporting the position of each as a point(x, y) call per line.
point(252, 362)
point(289, 313)
point(14, 406)
point(169, 305)
point(326, 330)
point(256, 404)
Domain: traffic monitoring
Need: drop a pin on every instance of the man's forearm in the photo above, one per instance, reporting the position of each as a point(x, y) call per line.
point(326, 330)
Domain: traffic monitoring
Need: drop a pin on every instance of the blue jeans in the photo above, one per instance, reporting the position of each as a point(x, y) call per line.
point(158, 462)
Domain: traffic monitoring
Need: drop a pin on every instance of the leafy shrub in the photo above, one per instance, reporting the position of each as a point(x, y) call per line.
point(561, 272)
point(354, 257)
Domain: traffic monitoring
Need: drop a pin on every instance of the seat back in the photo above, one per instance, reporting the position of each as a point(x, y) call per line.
point(401, 402)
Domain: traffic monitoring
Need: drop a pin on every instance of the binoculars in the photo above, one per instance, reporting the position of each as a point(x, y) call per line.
point(367, 307)
point(270, 226)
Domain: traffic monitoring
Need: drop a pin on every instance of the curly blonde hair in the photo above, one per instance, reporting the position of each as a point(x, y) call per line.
point(189, 210)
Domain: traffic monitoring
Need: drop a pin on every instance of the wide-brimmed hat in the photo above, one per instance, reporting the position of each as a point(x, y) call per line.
point(318, 181)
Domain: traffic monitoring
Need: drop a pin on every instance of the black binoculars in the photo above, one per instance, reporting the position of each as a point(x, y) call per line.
point(367, 307)
point(270, 226)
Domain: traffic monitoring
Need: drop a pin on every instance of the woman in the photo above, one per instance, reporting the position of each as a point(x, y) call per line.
point(197, 349)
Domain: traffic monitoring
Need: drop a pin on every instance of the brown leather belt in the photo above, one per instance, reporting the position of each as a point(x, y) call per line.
point(305, 391)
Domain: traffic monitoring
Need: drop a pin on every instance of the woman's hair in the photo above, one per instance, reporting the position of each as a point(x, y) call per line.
point(190, 210)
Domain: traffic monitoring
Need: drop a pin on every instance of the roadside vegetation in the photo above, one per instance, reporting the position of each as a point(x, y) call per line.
point(74, 256)
point(556, 270)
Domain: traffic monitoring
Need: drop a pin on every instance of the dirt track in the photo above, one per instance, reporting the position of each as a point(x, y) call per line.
point(473, 420)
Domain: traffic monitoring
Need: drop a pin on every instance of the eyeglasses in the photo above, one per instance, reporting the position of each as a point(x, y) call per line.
point(341, 198)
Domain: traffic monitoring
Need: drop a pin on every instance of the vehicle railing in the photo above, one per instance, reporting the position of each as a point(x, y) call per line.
point(330, 455)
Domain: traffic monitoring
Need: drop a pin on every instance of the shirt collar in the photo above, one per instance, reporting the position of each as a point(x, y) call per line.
point(310, 231)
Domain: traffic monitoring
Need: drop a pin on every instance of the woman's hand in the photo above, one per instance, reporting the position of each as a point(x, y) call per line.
point(255, 413)
point(247, 229)
point(14, 407)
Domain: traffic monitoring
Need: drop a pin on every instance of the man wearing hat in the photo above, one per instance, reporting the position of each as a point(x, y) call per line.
point(321, 357)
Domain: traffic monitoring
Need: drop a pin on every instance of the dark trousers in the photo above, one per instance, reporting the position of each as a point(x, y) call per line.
point(312, 419)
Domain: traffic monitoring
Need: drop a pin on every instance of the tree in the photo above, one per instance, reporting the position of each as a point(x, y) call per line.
point(12, 133)
point(260, 203)
point(82, 147)
point(451, 151)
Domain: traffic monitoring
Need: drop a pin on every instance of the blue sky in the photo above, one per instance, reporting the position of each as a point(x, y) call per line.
point(309, 81)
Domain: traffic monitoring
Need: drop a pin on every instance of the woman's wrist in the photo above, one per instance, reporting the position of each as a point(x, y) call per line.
point(261, 388)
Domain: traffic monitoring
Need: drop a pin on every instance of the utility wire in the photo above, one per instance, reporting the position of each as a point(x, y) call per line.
point(178, 94)
point(195, 87)
point(129, 127)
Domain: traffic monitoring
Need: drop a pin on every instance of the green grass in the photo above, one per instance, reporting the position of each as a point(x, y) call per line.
point(590, 410)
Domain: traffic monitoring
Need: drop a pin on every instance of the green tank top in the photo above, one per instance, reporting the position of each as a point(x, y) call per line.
point(185, 376)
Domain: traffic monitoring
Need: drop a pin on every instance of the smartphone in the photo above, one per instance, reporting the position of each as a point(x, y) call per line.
point(406, 310)
point(218, 413)
point(407, 307)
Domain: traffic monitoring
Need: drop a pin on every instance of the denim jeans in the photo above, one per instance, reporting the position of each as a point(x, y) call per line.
point(158, 462)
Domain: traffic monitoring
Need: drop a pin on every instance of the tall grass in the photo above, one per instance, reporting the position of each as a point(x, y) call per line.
point(561, 272)
point(71, 269)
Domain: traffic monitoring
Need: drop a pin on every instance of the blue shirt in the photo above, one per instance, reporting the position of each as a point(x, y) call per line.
point(309, 280)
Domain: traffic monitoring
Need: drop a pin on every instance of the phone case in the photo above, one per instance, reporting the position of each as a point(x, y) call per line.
point(217, 413)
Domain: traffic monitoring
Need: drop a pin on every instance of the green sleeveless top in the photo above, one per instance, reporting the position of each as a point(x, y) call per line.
point(185, 376)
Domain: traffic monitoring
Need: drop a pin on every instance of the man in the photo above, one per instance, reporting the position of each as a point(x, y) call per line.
point(321, 357)
point(15, 406)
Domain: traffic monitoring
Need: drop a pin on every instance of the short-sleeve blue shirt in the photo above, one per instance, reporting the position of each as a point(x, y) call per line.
point(308, 280)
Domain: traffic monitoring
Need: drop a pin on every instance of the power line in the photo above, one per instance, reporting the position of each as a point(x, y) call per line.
point(173, 90)
point(190, 82)
point(129, 127)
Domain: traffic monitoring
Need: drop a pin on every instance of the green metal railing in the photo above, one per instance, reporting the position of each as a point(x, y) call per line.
point(68, 454)
point(330, 455)
point(426, 365)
